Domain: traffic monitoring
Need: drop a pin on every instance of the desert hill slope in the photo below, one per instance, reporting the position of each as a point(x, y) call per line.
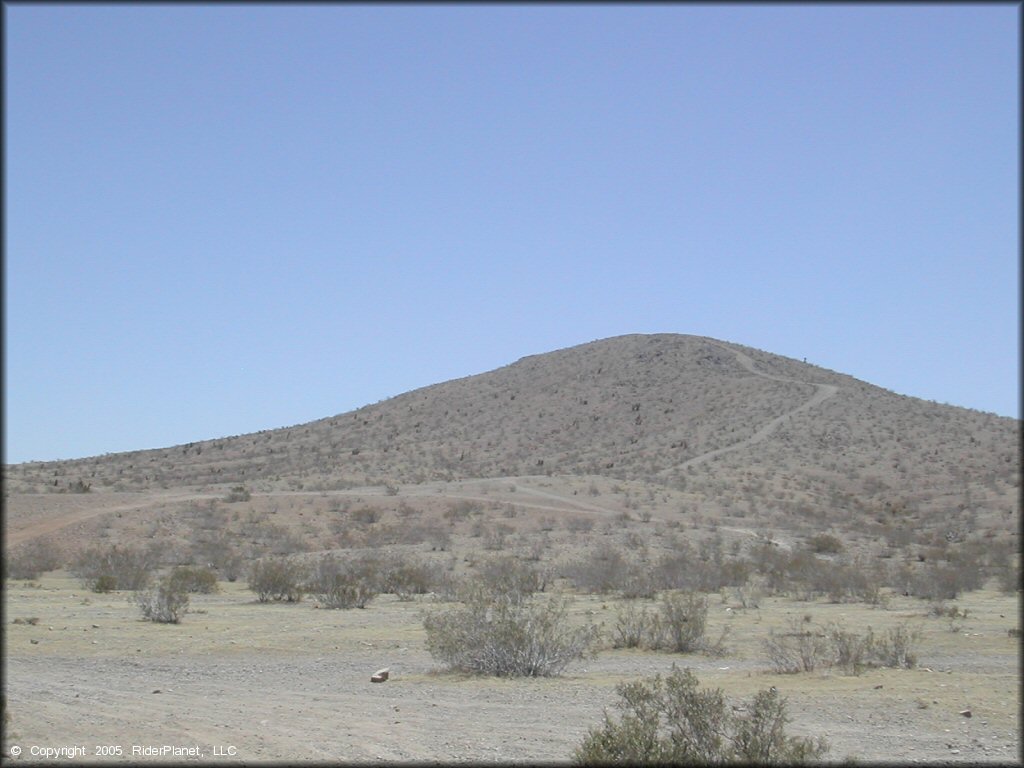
point(726, 423)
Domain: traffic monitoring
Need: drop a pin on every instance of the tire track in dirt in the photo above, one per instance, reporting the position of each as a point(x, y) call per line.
point(52, 525)
point(823, 393)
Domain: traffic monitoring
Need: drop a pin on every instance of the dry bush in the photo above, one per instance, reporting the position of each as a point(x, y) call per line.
point(579, 525)
point(897, 648)
point(680, 626)
point(601, 571)
point(33, 558)
point(237, 494)
point(672, 722)
point(632, 627)
point(851, 652)
point(104, 569)
point(499, 633)
point(407, 576)
point(1009, 578)
point(511, 576)
point(824, 543)
point(345, 584)
point(164, 604)
point(800, 649)
point(276, 579)
point(366, 515)
point(461, 510)
point(494, 536)
point(677, 625)
point(804, 648)
point(190, 579)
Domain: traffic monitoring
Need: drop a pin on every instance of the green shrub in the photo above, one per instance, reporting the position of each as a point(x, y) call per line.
point(194, 579)
point(277, 578)
point(671, 721)
point(506, 635)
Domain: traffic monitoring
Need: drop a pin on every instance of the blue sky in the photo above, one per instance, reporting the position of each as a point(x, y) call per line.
point(227, 218)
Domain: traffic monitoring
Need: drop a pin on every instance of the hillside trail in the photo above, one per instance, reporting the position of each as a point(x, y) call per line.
point(17, 535)
point(823, 393)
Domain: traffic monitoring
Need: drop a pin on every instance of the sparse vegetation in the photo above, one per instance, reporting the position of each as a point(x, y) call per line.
point(345, 584)
point(105, 569)
point(671, 721)
point(507, 634)
point(277, 579)
point(189, 579)
point(165, 603)
point(677, 626)
point(30, 560)
point(805, 647)
point(237, 494)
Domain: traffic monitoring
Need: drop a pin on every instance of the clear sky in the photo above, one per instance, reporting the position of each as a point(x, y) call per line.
point(227, 218)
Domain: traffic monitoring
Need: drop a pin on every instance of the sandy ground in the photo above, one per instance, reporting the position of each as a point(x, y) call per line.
point(242, 682)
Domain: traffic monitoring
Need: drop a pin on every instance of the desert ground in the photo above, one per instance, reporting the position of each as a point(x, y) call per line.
point(290, 682)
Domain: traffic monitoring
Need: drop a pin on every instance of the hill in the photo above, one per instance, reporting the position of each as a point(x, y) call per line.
point(708, 426)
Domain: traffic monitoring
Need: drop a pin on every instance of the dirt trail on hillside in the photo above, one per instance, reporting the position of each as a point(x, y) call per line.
point(823, 393)
point(19, 530)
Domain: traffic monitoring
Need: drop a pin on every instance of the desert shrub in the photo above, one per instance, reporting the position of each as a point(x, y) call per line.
point(804, 648)
point(639, 581)
point(897, 648)
point(707, 570)
point(824, 544)
point(800, 649)
point(670, 721)
point(681, 623)
point(238, 493)
point(495, 536)
point(405, 577)
point(461, 510)
point(277, 578)
point(344, 584)
point(940, 609)
point(496, 633)
point(79, 486)
point(366, 515)
point(851, 652)
point(632, 627)
point(1008, 577)
point(164, 604)
point(194, 579)
point(601, 571)
point(513, 577)
point(935, 582)
point(104, 569)
point(579, 525)
point(33, 558)
point(677, 625)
